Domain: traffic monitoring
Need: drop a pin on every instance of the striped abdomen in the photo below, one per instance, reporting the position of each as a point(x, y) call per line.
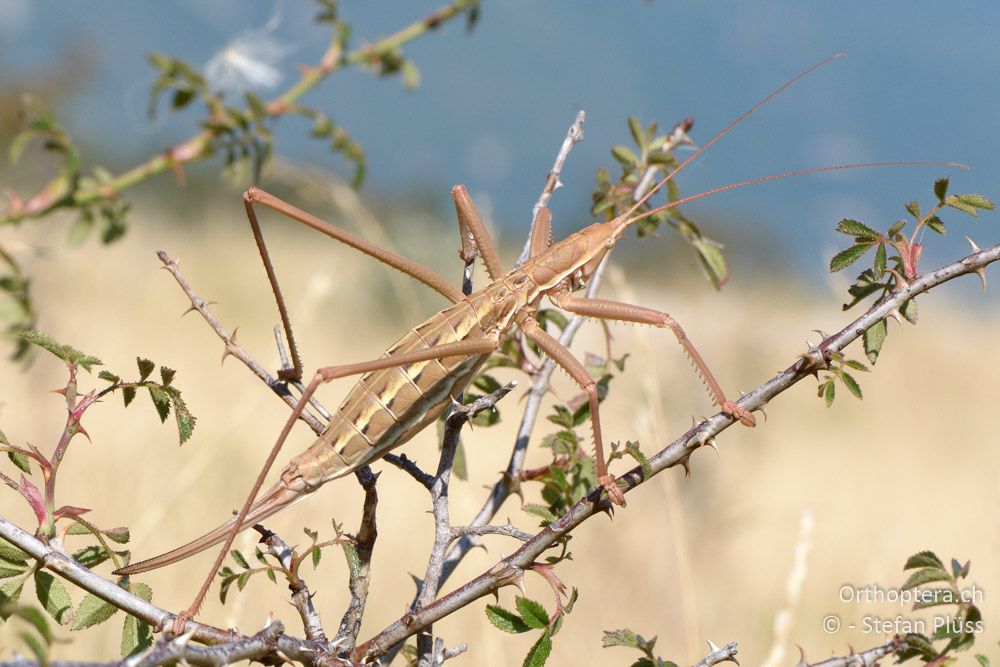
point(388, 407)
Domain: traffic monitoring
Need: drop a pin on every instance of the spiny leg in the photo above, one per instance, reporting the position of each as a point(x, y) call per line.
point(541, 232)
point(624, 312)
point(476, 240)
point(469, 347)
point(564, 358)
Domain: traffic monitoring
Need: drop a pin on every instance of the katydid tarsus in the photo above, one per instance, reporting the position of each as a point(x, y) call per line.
point(417, 378)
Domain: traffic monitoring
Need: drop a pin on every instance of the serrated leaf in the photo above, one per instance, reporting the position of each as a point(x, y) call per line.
point(623, 637)
point(913, 208)
point(925, 576)
point(845, 258)
point(92, 611)
point(540, 511)
point(896, 228)
point(856, 229)
point(880, 261)
point(920, 644)
point(10, 553)
point(137, 636)
point(851, 384)
point(146, 367)
point(532, 612)
point(632, 449)
point(941, 188)
point(10, 593)
point(91, 556)
point(539, 653)
point(855, 364)
point(935, 597)
point(109, 376)
point(119, 535)
point(909, 311)
point(923, 559)
point(829, 393)
point(977, 201)
point(128, 395)
point(240, 560)
point(182, 416)
point(167, 375)
point(161, 401)
point(53, 596)
point(64, 352)
point(935, 224)
point(873, 339)
point(505, 620)
point(12, 568)
point(21, 461)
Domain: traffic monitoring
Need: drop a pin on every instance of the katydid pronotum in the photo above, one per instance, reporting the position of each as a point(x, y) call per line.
point(417, 378)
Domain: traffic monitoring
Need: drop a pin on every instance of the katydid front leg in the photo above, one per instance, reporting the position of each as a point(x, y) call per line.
point(562, 356)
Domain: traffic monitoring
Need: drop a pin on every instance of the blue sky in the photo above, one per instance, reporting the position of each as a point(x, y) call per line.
point(920, 83)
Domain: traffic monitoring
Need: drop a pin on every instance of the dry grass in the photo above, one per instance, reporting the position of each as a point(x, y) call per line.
point(914, 466)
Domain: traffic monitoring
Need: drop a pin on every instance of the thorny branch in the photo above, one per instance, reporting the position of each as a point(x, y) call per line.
point(725, 654)
point(509, 569)
point(301, 597)
point(868, 658)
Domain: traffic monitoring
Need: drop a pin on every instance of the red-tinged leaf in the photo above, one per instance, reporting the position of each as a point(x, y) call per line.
point(34, 498)
point(70, 511)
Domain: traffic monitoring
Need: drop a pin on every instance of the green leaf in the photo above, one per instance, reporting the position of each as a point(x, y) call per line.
point(935, 597)
point(128, 395)
point(913, 208)
point(856, 229)
point(896, 228)
point(20, 461)
point(983, 660)
point(532, 612)
point(183, 417)
point(941, 188)
point(856, 365)
point(12, 568)
point(851, 384)
point(923, 559)
point(92, 611)
point(505, 619)
point(713, 260)
point(53, 596)
point(632, 449)
point(64, 352)
point(167, 375)
point(829, 393)
point(935, 224)
point(880, 260)
point(845, 258)
point(91, 556)
point(10, 553)
point(909, 310)
point(240, 560)
point(636, 130)
point(539, 653)
point(161, 401)
point(109, 376)
point(540, 511)
point(624, 155)
point(873, 339)
point(137, 636)
point(925, 576)
point(146, 367)
point(623, 637)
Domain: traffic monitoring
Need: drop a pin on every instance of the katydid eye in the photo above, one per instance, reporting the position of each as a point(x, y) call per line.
point(520, 280)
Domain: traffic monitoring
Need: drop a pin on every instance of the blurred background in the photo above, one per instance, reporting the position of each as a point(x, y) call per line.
point(856, 488)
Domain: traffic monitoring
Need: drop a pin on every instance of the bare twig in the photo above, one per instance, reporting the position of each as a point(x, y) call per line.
point(552, 182)
point(232, 347)
point(443, 535)
point(350, 624)
point(301, 597)
point(58, 561)
point(867, 658)
point(509, 569)
point(725, 654)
